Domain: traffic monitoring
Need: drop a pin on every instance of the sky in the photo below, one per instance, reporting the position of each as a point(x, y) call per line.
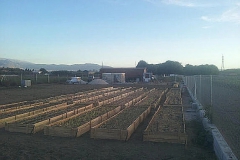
point(120, 33)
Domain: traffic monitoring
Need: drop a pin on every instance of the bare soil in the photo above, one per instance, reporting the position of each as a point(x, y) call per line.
point(38, 146)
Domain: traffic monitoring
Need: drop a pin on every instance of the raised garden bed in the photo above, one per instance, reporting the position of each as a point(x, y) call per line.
point(36, 123)
point(122, 125)
point(53, 102)
point(173, 97)
point(167, 125)
point(23, 113)
point(79, 124)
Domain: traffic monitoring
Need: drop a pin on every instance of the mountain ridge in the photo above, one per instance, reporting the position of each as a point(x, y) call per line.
point(13, 63)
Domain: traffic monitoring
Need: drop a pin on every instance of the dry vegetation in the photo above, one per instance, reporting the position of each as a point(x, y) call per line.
point(168, 119)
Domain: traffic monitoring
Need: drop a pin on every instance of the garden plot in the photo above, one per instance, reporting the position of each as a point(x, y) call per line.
point(92, 93)
point(22, 113)
point(53, 100)
point(80, 96)
point(17, 105)
point(154, 97)
point(122, 125)
point(114, 97)
point(167, 125)
point(107, 95)
point(173, 97)
point(81, 123)
point(36, 123)
point(47, 118)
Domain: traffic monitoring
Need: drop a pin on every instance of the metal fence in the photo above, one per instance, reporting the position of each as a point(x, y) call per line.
point(15, 80)
point(220, 97)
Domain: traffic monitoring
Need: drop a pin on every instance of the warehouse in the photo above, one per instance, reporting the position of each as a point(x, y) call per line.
point(131, 74)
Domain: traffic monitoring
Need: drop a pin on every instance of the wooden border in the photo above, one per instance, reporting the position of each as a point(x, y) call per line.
point(17, 127)
point(170, 137)
point(29, 114)
point(118, 134)
point(53, 130)
point(62, 131)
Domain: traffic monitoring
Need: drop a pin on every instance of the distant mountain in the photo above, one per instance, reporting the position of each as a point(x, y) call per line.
point(12, 63)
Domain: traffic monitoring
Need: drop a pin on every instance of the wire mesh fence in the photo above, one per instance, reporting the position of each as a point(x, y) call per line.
point(15, 80)
point(220, 97)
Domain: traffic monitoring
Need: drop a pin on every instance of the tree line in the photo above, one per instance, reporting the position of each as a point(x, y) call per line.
point(174, 67)
point(27, 71)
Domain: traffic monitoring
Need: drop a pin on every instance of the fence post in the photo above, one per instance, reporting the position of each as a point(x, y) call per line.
point(21, 80)
point(211, 89)
point(200, 88)
point(36, 78)
point(195, 88)
point(48, 78)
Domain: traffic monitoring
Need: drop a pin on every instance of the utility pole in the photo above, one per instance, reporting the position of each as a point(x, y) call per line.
point(222, 67)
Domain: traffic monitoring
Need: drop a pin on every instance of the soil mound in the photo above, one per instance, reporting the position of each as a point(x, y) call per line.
point(98, 81)
point(82, 82)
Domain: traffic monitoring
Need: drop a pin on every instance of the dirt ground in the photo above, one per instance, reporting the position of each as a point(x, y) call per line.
point(37, 146)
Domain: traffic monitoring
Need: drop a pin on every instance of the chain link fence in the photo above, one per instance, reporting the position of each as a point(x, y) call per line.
point(15, 80)
point(220, 97)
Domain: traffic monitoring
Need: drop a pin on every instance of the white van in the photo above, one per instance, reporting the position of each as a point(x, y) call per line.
point(74, 80)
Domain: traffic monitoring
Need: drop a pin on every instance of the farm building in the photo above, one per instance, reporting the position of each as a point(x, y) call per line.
point(114, 77)
point(131, 74)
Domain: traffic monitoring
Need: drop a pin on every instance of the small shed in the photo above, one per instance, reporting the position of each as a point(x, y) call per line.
point(114, 77)
point(131, 74)
point(26, 83)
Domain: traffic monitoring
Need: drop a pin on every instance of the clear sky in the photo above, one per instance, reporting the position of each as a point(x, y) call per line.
point(120, 33)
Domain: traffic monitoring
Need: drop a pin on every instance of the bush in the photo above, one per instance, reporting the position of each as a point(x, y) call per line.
point(203, 138)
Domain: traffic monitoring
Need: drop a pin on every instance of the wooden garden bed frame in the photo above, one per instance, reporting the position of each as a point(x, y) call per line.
point(118, 134)
point(28, 114)
point(42, 110)
point(162, 136)
point(61, 131)
point(33, 128)
point(168, 97)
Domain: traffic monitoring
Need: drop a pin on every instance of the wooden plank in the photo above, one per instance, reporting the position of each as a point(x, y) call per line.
point(165, 137)
point(104, 117)
point(103, 133)
point(96, 121)
point(14, 127)
point(130, 130)
point(59, 131)
point(83, 129)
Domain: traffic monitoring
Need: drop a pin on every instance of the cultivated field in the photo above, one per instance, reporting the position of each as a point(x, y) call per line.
point(76, 109)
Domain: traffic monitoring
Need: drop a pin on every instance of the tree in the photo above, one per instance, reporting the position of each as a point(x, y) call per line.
point(142, 64)
point(201, 70)
point(172, 67)
point(43, 70)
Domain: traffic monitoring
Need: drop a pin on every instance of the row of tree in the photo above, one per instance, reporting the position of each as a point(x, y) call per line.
point(174, 67)
point(18, 71)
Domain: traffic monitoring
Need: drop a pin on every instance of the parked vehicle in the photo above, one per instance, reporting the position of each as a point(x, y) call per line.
point(74, 80)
